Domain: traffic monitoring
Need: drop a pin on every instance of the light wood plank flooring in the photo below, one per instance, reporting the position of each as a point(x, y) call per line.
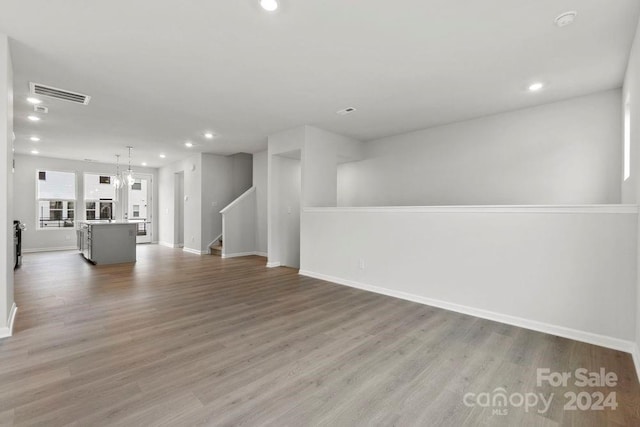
point(179, 339)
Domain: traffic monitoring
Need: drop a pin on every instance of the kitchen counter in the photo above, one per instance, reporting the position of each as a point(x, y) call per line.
point(107, 242)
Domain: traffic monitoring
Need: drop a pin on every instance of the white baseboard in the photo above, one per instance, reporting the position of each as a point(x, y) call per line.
point(239, 254)
point(273, 264)
point(8, 330)
point(262, 254)
point(60, 248)
point(636, 359)
point(169, 245)
point(193, 251)
point(574, 334)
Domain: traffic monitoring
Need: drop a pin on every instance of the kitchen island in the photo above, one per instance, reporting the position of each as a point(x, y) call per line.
point(107, 242)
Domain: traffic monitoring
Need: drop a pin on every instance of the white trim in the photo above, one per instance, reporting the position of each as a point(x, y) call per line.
point(636, 359)
point(273, 264)
point(169, 245)
point(193, 251)
point(574, 334)
point(525, 209)
point(262, 254)
point(8, 330)
point(253, 253)
point(61, 248)
point(239, 254)
point(237, 200)
point(216, 240)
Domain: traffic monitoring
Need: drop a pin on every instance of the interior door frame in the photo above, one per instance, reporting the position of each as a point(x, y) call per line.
point(151, 218)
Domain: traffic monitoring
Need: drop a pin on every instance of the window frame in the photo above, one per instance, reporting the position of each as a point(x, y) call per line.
point(38, 200)
point(98, 201)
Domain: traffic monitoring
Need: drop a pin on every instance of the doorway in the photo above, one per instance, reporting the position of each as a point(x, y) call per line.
point(138, 206)
point(286, 226)
point(178, 223)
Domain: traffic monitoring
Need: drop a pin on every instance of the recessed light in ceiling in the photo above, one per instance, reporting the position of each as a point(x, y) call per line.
point(34, 118)
point(35, 152)
point(535, 87)
point(34, 101)
point(208, 135)
point(346, 111)
point(34, 139)
point(162, 156)
point(144, 163)
point(269, 5)
point(566, 18)
point(188, 144)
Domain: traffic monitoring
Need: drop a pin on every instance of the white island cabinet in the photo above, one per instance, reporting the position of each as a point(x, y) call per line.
point(104, 242)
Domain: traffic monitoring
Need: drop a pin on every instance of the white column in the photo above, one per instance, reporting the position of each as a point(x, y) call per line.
point(7, 306)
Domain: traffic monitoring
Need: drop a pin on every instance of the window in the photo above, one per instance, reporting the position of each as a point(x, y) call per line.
point(56, 194)
point(99, 196)
point(136, 211)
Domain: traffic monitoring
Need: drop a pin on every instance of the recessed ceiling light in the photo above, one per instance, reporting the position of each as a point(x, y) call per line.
point(34, 139)
point(566, 18)
point(188, 144)
point(208, 135)
point(269, 5)
point(35, 152)
point(144, 163)
point(34, 101)
point(162, 156)
point(535, 87)
point(34, 118)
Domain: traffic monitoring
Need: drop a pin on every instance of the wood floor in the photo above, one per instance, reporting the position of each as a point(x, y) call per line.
point(181, 339)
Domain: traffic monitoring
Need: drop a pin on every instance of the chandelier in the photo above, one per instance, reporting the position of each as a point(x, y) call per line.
point(117, 181)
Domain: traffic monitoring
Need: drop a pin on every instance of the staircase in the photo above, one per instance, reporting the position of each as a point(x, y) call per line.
point(216, 248)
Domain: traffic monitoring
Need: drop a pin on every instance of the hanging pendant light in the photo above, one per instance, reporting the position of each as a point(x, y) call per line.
point(117, 180)
point(129, 174)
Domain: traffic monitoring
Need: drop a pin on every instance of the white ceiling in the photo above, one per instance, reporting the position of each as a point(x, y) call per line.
point(163, 72)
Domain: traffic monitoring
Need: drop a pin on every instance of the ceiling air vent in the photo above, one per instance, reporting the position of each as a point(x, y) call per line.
point(53, 92)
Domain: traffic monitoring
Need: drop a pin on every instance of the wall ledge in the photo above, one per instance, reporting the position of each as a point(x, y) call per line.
point(524, 209)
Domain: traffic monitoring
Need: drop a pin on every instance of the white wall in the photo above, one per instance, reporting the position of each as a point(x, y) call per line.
point(562, 153)
point(239, 226)
point(289, 141)
point(566, 271)
point(217, 192)
point(319, 168)
point(242, 173)
point(260, 182)
point(631, 187)
point(6, 186)
point(25, 198)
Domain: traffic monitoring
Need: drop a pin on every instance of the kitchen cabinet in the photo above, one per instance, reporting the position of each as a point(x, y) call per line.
point(107, 242)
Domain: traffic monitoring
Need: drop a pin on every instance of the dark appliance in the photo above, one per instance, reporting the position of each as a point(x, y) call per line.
point(18, 227)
